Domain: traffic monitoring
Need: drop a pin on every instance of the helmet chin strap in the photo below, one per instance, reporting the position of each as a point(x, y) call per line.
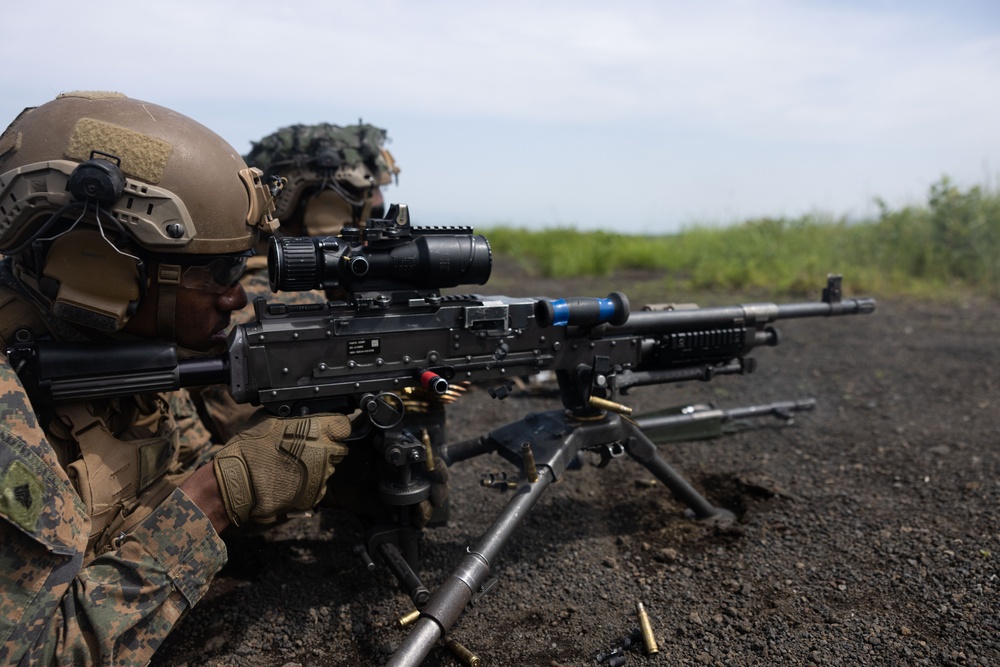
point(168, 278)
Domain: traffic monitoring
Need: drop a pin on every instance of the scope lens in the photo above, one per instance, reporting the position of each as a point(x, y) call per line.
point(293, 263)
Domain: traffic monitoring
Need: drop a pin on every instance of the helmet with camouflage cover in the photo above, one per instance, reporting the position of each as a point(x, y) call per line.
point(332, 174)
point(96, 185)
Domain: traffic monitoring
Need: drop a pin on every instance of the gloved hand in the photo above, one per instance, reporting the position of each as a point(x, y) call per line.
point(278, 465)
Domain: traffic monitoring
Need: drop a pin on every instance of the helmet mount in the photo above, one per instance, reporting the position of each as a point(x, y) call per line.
point(97, 179)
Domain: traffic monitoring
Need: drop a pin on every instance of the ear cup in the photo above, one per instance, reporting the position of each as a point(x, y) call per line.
point(98, 287)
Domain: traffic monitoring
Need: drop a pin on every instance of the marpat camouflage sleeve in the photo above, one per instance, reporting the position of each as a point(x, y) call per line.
point(54, 607)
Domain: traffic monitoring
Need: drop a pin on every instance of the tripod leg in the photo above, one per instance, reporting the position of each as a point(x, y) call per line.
point(643, 450)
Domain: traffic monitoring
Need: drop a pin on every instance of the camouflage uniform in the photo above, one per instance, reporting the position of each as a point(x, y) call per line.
point(154, 558)
point(101, 552)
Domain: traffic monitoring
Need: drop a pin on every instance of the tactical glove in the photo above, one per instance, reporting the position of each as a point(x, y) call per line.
point(278, 465)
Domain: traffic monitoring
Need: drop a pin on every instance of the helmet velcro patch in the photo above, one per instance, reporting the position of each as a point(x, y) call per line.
point(142, 157)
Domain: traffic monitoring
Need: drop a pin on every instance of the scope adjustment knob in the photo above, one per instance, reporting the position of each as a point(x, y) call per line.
point(359, 265)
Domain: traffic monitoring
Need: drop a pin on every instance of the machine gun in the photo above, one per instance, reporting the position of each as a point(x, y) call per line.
point(388, 327)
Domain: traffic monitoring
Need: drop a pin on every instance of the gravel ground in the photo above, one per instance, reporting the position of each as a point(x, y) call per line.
point(867, 533)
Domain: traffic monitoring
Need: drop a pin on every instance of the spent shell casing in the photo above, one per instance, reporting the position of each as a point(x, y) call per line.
point(647, 630)
point(404, 621)
point(610, 406)
point(529, 462)
point(425, 437)
point(497, 481)
point(465, 655)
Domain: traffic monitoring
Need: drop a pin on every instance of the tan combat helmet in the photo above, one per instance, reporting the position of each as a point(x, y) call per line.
point(331, 174)
point(97, 185)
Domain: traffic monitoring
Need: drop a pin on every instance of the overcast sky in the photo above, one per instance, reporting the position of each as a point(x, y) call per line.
point(642, 116)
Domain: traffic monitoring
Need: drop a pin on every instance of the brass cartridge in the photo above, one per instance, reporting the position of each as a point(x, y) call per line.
point(465, 655)
point(610, 406)
point(529, 462)
point(647, 630)
point(425, 437)
point(404, 621)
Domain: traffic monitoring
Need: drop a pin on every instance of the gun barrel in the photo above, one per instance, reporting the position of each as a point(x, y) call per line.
point(752, 314)
point(779, 409)
point(856, 306)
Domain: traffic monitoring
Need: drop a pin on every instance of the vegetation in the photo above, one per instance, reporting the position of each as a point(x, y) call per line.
point(950, 245)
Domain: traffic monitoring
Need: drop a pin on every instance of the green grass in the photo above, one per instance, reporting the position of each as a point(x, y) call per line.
point(948, 246)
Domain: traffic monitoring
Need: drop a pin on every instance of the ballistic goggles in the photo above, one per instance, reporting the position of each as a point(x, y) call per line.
point(217, 275)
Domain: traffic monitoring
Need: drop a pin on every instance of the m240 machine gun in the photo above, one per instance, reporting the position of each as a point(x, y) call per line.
point(389, 327)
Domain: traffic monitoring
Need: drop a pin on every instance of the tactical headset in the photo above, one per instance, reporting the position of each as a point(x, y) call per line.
point(70, 261)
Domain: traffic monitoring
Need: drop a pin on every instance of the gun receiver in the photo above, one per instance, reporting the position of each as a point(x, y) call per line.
point(324, 357)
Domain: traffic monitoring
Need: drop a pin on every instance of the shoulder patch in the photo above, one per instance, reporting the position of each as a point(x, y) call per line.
point(21, 495)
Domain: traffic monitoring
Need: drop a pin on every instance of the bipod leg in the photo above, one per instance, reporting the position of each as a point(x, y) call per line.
point(408, 580)
point(450, 600)
point(397, 546)
point(643, 450)
point(555, 441)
